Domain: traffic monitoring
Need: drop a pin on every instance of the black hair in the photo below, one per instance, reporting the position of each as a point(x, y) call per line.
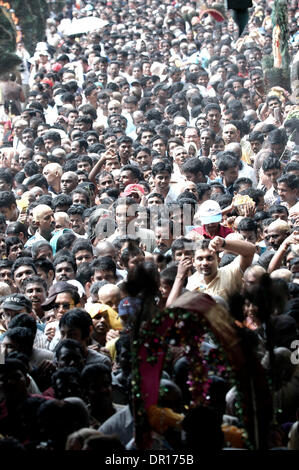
point(65, 241)
point(225, 162)
point(6, 175)
point(93, 371)
point(11, 241)
point(238, 183)
point(76, 209)
point(270, 163)
point(7, 198)
point(161, 166)
point(247, 224)
point(256, 136)
point(77, 318)
point(65, 258)
point(291, 181)
point(194, 166)
point(15, 228)
point(24, 320)
point(105, 263)
point(24, 261)
point(23, 336)
point(70, 344)
point(62, 200)
point(81, 244)
point(34, 279)
point(44, 264)
point(255, 194)
point(277, 208)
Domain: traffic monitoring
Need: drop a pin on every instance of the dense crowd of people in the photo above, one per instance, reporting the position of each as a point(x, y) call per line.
point(149, 152)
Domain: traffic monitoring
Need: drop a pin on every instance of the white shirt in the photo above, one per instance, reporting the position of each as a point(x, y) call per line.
point(248, 172)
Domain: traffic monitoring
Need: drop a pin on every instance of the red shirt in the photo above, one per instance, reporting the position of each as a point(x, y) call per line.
point(222, 232)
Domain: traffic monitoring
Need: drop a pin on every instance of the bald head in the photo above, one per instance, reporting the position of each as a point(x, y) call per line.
point(252, 276)
point(280, 225)
point(62, 220)
point(53, 167)
point(235, 148)
point(109, 294)
point(43, 217)
point(39, 212)
point(230, 134)
point(277, 232)
point(69, 181)
point(105, 248)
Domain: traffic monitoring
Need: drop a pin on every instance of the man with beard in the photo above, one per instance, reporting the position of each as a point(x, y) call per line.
point(101, 325)
point(164, 237)
point(65, 268)
point(213, 115)
point(129, 174)
point(6, 274)
point(125, 149)
point(43, 217)
point(257, 81)
point(207, 139)
point(224, 281)
point(14, 248)
point(277, 232)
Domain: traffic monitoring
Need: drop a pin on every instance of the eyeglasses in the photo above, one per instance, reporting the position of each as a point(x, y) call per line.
point(65, 306)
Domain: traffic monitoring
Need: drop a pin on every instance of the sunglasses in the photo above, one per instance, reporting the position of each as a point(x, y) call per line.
point(65, 306)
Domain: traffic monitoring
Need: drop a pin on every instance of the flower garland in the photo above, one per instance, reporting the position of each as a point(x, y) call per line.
point(188, 329)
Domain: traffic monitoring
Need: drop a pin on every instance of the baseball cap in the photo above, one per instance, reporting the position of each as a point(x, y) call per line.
point(133, 188)
point(210, 212)
point(56, 67)
point(48, 81)
point(58, 288)
point(17, 302)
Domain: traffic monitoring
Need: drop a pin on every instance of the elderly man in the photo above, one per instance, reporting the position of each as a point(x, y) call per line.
point(43, 217)
point(180, 155)
point(252, 276)
point(62, 220)
point(277, 233)
point(53, 172)
point(245, 171)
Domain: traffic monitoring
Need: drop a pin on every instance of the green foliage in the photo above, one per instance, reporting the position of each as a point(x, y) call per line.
point(32, 16)
point(277, 77)
point(267, 62)
point(8, 60)
point(280, 17)
point(7, 31)
point(280, 77)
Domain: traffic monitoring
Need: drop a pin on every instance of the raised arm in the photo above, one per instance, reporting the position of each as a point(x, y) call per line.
point(184, 266)
point(100, 163)
point(245, 249)
point(277, 259)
